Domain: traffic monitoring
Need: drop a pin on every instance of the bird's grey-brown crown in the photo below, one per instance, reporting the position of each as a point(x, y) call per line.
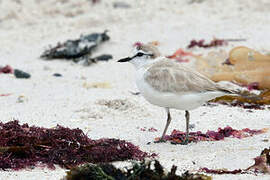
point(148, 49)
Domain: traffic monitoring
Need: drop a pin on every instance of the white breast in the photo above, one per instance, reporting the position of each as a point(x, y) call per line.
point(181, 101)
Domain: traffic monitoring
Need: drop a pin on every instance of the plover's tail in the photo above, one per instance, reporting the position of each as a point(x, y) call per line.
point(229, 88)
point(232, 89)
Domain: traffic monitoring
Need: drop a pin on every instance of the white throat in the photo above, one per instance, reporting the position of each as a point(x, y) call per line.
point(139, 62)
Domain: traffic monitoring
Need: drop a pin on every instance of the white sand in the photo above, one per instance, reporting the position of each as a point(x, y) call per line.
point(27, 27)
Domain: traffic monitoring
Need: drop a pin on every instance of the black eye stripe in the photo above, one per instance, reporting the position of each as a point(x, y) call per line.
point(139, 54)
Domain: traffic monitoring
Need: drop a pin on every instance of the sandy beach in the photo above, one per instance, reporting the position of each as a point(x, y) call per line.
point(28, 27)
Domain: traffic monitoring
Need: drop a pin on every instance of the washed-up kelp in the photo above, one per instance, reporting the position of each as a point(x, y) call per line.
point(79, 50)
point(177, 137)
point(247, 102)
point(261, 165)
point(139, 171)
point(23, 146)
point(17, 73)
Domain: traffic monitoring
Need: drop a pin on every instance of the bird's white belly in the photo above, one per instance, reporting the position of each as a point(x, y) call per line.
point(181, 101)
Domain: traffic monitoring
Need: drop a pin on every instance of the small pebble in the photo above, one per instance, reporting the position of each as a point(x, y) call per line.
point(21, 99)
point(57, 75)
point(20, 74)
point(121, 5)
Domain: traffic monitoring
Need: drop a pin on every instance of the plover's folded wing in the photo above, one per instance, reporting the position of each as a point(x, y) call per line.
point(169, 76)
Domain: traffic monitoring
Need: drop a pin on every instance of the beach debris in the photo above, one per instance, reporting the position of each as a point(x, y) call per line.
point(201, 43)
point(248, 68)
point(214, 43)
point(8, 94)
point(246, 102)
point(221, 171)
point(95, 1)
point(89, 61)
point(261, 165)
point(262, 162)
point(102, 85)
point(179, 55)
point(79, 50)
point(242, 56)
point(103, 57)
point(177, 137)
point(243, 66)
point(6, 69)
point(148, 129)
point(21, 74)
point(57, 75)
point(21, 99)
point(23, 146)
point(138, 171)
point(17, 73)
point(120, 4)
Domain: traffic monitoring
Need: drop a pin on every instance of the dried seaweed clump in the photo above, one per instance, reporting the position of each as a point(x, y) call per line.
point(22, 146)
point(246, 102)
point(261, 165)
point(177, 137)
point(138, 171)
point(79, 50)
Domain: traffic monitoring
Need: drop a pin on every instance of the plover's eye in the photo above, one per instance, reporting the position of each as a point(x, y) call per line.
point(139, 54)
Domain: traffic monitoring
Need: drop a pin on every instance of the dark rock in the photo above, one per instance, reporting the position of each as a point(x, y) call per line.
point(57, 75)
point(20, 74)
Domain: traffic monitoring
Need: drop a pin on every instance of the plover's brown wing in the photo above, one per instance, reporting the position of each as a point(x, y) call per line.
point(170, 76)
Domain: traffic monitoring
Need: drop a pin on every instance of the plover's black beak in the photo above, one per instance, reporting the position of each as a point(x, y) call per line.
point(124, 59)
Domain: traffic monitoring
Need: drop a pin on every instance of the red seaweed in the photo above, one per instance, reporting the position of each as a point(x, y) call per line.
point(6, 69)
point(177, 136)
point(201, 43)
point(149, 129)
point(23, 146)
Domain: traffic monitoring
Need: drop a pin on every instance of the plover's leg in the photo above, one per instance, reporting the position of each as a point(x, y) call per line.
point(167, 125)
point(187, 128)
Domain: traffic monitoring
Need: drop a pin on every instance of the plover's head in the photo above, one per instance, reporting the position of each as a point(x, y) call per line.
point(143, 53)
